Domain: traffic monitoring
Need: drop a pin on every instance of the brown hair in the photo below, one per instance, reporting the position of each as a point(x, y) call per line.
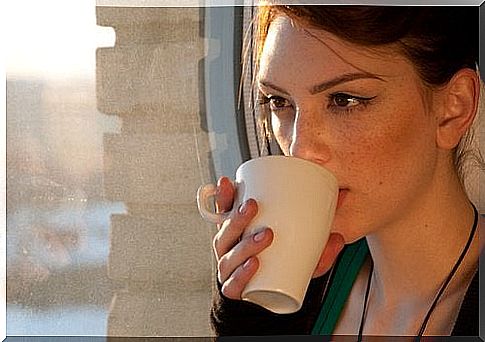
point(439, 41)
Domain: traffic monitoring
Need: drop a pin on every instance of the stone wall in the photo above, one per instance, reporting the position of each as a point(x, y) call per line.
point(160, 254)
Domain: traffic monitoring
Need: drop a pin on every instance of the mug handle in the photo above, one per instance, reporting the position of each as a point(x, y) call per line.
point(204, 193)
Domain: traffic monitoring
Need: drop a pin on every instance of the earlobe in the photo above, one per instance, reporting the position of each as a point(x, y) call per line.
point(460, 105)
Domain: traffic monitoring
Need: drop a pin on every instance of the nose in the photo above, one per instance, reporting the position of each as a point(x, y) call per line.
point(308, 140)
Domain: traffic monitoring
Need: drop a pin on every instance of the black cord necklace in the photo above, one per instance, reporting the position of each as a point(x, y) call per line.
point(438, 295)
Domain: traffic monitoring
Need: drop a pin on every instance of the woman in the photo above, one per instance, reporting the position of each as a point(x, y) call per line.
point(383, 97)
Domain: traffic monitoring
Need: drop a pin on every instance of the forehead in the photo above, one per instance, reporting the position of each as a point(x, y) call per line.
point(296, 51)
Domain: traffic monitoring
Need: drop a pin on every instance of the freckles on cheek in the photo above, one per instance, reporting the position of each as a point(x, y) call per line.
point(369, 156)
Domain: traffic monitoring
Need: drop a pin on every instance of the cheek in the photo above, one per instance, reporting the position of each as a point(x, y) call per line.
point(387, 152)
point(282, 130)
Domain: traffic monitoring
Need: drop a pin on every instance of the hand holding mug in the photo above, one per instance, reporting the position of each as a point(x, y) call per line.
point(237, 260)
point(236, 256)
point(297, 200)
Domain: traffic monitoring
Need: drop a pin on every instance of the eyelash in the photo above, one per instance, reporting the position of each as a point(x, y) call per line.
point(363, 102)
point(331, 106)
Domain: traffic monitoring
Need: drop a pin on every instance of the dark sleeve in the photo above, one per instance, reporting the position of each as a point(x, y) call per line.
point(468, 318)
point(239, 318)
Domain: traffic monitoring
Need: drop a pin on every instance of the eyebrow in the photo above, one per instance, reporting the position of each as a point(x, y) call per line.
point(328, 84)
point(342, 79)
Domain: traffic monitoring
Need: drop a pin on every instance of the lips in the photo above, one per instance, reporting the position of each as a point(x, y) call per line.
point(342, 193)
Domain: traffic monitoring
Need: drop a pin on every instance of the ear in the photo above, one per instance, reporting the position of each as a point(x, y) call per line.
point(460, 105)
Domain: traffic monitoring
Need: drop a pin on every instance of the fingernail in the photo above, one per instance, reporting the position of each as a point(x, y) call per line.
point(247, 263)
point(243, 208)
point(218, 187)
point(259, 236)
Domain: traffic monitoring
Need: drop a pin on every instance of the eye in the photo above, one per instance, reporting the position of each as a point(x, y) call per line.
point(276, 103)
point(341, 102)
point(345, 100)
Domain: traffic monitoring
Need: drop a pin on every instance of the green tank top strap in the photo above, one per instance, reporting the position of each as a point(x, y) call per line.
point(341, 281)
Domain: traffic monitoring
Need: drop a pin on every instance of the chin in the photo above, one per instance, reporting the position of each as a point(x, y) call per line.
point(348, 229)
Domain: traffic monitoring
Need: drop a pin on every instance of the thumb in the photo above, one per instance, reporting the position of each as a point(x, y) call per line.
point(330, 253)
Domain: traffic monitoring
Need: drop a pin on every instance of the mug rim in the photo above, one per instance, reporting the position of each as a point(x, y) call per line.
point(315, 166)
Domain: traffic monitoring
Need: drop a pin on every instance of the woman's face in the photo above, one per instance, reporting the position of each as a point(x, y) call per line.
point(362, 114)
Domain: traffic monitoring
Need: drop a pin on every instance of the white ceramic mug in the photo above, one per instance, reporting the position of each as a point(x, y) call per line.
point(297, 200)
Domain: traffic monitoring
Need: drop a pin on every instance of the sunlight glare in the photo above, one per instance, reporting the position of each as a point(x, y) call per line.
point(52, 38)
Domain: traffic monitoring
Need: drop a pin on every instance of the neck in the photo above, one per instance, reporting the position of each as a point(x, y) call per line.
point(413, 257)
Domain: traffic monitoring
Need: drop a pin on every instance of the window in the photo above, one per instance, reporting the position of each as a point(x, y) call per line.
point(115, 115)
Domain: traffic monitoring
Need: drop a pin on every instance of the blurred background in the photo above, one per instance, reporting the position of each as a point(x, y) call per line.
point(108, 138)
point(57, 213)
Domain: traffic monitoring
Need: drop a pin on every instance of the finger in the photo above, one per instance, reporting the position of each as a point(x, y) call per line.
point(334, 246)
point(231, 230)
point(225, 195)
point(234, 286)
point(248, 247)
